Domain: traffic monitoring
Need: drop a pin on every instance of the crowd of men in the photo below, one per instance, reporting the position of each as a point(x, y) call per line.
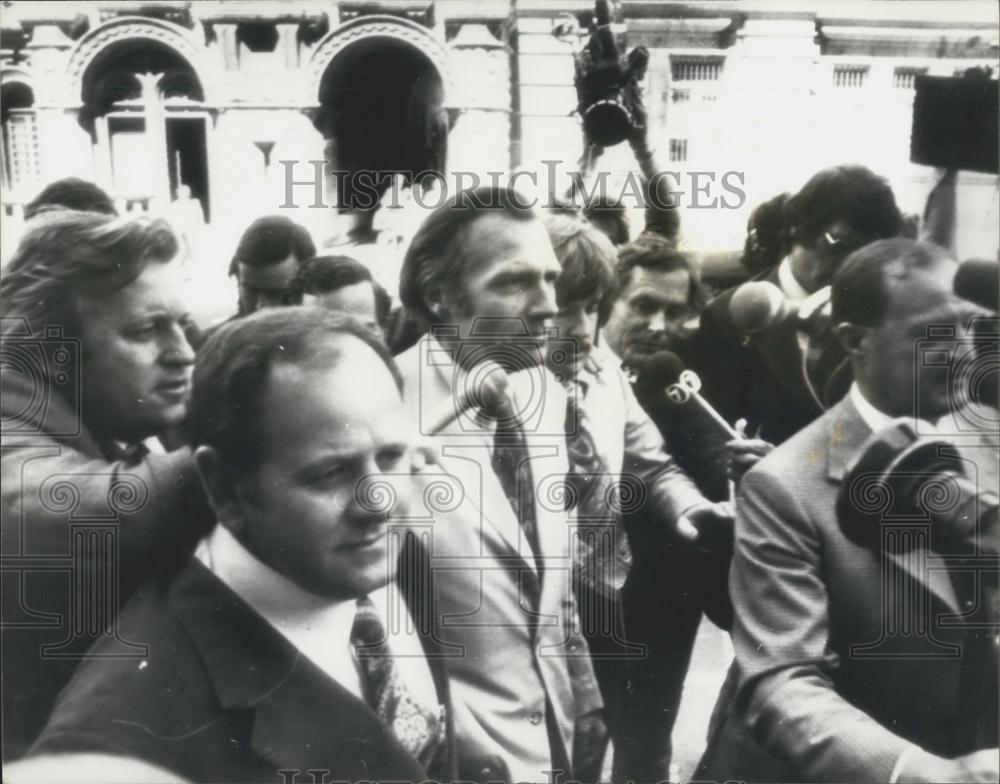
point(469, 536)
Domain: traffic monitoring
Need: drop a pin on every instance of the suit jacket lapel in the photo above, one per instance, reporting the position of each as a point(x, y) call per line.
point(848, 431)
point(302, 718)
point(468, 457)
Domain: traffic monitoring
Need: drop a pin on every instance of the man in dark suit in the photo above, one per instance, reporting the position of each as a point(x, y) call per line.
point(673, 581)
point(272, 651)
point(96, 368)
point(763, 381)
point(828, 689)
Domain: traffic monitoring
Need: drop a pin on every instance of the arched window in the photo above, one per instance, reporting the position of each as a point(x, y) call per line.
point(143, 104)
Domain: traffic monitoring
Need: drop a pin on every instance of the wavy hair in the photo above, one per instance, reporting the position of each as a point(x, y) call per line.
point(65, 256)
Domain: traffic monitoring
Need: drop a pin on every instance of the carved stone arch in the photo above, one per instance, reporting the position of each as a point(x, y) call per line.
point(17, 76)
point(367, 27)
point(132, 28)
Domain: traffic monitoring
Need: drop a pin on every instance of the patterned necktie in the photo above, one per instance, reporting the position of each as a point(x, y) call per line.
point(603, 557)
point(419, 730)
point(513, 469)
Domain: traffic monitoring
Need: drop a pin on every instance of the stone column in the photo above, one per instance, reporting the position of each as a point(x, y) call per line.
point(49, 50)
point(288, 43)
point(156, 134)
point(480, 139)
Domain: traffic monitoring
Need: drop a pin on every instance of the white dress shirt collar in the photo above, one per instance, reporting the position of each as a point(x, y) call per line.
point(790, 287)
point(878, 420)
point(319, 627)
point(873, 417)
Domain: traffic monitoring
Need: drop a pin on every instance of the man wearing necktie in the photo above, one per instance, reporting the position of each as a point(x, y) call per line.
point(765, 380)
point(854, 652)
point(285, 644)
point(480, 274)
point(620, 471)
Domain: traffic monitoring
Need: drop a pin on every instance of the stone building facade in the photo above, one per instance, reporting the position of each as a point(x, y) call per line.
point(142, 96)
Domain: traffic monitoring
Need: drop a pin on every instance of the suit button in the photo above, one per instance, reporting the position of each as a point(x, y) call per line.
point(535, 718)
point(485, 773)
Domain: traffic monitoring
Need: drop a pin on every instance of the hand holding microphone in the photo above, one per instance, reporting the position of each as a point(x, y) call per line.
point(744, 453)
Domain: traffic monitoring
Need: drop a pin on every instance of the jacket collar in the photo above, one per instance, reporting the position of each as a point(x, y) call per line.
point(467, 458)
point(847, 432)
point(302, 719)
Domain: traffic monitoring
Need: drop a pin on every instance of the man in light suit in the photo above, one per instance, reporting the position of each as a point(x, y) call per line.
point(273, 651)
point(827, 691)
point(481, 273)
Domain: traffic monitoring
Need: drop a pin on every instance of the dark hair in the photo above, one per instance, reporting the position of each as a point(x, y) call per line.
point(588, 263)
point(862, 287)
point(234, 364)
point(650, 251)
point(270, 240)
point(71, 193)
point(610, 218)
point(767, 235)
point(853, 194)
point(437, 255)
point(322, 274)
point(65, 255)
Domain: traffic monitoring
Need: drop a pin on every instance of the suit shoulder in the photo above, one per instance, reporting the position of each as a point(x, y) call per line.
point(147, 675)
point(804, 452)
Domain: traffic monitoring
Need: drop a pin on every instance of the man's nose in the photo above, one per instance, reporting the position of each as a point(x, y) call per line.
point(543, 301)
point(177, 349)
point(658, 323)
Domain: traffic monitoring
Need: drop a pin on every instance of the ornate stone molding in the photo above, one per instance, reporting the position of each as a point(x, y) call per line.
point(130, 28)
point(376, 27)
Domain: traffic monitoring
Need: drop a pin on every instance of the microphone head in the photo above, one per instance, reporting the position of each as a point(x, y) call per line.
point(756, 306)
point(663, 368)
point(979, 283)
point(486, 387)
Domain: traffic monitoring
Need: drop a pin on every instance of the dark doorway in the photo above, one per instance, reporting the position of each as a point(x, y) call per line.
point(382, 111)
point(187, 157)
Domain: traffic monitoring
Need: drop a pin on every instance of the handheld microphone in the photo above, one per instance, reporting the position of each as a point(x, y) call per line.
point(485, 388)
point(757, 306)
point(979, 283)
point(682, 385)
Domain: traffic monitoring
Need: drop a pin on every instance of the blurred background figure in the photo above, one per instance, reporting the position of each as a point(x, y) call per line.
point(266, 260)
point(72, 193)
point(341, 284)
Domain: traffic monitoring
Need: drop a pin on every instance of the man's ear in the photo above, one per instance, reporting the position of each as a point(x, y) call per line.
point(853, 338)
point(436, 302)
point(219, 483)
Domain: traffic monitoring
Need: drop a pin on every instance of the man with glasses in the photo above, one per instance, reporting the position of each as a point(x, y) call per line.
point(770, 381)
